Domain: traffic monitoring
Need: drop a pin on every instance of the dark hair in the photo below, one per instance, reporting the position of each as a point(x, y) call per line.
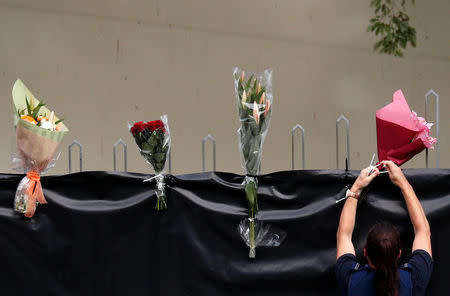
point(383, 248)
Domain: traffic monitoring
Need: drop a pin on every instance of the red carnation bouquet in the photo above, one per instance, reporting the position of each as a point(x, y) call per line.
point(153, 140)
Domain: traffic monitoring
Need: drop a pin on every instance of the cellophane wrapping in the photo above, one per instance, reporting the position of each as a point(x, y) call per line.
point(254, 101)
point(153, 141)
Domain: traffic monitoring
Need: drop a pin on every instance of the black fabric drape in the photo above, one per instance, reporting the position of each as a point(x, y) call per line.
point(100, 235)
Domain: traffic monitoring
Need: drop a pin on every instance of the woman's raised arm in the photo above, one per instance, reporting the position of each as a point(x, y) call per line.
point(422, 239)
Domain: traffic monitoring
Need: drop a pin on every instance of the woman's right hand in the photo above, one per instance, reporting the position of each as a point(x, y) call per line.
point(395, 173)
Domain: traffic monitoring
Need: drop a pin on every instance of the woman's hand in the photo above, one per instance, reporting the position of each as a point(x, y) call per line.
point(364, 179)
point(395, 173)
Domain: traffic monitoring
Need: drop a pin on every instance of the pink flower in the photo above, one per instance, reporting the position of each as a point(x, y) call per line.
point(256, 112)
point(263, 98)
point(424, 130)
point(267, 108)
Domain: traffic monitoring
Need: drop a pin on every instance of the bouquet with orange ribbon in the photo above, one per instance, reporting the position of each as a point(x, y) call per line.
point(38, 134)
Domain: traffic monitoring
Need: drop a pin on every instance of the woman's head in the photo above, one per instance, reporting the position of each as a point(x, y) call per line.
point(383, 244)
point(383, 250)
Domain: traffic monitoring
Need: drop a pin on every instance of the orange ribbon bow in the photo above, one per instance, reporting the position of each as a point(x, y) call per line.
point(34, 192)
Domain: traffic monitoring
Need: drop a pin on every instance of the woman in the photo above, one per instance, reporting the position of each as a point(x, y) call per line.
point(382, 275)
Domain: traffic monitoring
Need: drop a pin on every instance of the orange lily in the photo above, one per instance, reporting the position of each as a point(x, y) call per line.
point(29, 119)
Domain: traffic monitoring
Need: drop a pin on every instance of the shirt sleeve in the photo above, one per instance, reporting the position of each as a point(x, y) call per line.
point(421, 265)
point(344, 267)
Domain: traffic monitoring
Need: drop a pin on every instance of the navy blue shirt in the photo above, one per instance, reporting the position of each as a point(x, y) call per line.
point(420, 266)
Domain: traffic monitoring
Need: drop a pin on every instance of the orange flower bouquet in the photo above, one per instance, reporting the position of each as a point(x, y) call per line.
point(38, 134)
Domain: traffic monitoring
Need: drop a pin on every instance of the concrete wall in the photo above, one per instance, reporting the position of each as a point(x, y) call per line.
point(102, 63)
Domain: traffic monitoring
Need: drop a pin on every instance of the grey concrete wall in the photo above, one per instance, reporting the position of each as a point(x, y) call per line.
point(102, 63)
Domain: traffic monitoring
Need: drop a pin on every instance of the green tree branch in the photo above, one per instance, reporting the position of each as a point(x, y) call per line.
point(391, 22)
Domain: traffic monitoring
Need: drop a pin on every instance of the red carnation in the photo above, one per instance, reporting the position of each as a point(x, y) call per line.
point(154, 125)
point(137, 127)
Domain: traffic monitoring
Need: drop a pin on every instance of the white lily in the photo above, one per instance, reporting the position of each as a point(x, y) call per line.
point(256, 112)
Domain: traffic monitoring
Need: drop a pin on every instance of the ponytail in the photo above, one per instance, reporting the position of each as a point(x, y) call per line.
point(383, 247)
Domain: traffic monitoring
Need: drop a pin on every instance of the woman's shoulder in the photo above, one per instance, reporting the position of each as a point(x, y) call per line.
point(420, 265)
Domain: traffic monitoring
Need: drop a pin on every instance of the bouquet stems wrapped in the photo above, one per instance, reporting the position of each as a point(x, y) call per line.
point(38, 134)
point(254, 101)
point(153, 141)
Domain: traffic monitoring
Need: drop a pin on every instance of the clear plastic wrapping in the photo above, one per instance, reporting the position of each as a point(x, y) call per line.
point(254, 100)
point(29, 191)
point(265, 234)
point(153, 141)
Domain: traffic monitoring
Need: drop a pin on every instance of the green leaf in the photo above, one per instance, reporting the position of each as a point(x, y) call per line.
point(247, 85)
point(391, 22)
point(251, 191)
point(36, 110)
point(58, 121)
point(153, 141)
point(147, 147)
point(160, 157)
point(258, 96)
point(28, 106)
point(377, 30)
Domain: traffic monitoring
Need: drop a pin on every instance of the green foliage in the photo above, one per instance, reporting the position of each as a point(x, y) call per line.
point(31, 110)
point(152, 148)
point(252, 128)
point(254, 114)
point(391, 22)
point(251, 190)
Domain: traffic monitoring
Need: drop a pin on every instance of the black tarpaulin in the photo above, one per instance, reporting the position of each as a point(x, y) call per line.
point(100, 235)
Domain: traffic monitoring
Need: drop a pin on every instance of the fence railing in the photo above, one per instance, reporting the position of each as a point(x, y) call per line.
point(428, 96)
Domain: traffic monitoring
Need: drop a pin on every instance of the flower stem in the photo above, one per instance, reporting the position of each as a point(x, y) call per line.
point(251, 190)
point(252, 250)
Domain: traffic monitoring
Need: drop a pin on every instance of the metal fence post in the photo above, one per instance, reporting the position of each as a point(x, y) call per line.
point(302, 130)
point(214, 151)
point(120, 142)
point(436, 96)
point(80, 148)
point(347, 127)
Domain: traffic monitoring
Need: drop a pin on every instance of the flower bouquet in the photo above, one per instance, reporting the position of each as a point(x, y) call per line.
point(254, 101)
point(38, 134)
point(401, 134)
point(153, 141)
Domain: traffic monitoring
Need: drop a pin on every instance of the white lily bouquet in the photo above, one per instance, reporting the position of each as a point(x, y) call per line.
point(254, 101)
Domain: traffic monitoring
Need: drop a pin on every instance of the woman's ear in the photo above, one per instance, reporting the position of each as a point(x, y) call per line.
point(399, 254)
point(365, 252)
